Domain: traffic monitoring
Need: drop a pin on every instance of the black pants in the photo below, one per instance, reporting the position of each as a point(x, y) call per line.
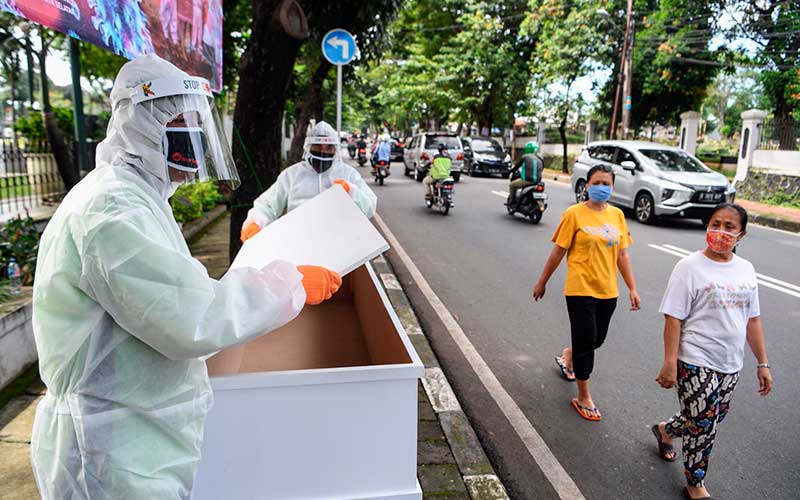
point(589, 319)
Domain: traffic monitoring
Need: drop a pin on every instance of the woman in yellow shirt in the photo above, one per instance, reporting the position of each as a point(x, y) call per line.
point(595, 238)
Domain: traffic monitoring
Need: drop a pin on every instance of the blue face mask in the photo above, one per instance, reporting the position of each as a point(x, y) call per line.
point(599, 193)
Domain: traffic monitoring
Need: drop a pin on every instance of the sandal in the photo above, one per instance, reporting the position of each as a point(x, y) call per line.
point(584, 412)
point(663, 448)
point(687, 496)
point(568, 374)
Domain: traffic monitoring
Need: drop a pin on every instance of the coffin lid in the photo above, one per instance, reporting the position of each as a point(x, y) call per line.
point(328, 230)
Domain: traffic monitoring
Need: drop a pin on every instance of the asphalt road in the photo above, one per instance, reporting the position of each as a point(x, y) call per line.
point(482, 264)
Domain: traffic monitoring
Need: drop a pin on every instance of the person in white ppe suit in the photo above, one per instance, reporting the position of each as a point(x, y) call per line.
point(321, 168)
point(122, 313)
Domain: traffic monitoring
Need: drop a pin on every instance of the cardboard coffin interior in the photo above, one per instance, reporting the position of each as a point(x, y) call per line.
point(352, 329)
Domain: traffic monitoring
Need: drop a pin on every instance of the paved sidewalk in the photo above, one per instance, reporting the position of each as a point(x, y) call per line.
point(451, 461)
point(785, 218)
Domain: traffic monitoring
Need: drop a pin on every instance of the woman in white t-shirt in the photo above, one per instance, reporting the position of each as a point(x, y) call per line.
point(710, 309)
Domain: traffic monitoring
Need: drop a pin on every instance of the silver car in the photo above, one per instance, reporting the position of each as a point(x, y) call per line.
point(420, 151)
point(654, 180)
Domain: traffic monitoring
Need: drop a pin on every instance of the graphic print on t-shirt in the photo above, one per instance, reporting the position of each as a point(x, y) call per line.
point(606, 232)
point(729, 295)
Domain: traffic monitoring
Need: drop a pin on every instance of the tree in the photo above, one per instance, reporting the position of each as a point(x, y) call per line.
point(774, 26)
point(9, 48)
point(669, 74)
point(277, 32)
point(368, 22)
point(486, 62)
point(732, 93)
point(13, 26)
point(568, 46)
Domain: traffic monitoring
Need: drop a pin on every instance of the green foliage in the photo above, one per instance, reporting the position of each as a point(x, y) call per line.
point(667, 81)
point(191, 200)
point(31, 127)
point(774, 27)
point(730, 94)
point(99, 63)
point(209, 195)
point(19, 239)
point(783, 199)
point(235, 36)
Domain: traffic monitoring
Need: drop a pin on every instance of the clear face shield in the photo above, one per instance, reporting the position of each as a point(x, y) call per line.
point(321, 152)
point(194, 142)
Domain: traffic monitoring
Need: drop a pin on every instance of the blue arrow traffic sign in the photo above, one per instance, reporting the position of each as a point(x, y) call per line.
point(338, 46)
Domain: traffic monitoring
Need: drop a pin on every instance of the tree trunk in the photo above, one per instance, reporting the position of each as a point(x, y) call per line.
point(264, 75)
point(785, 125)
point(311, 97)
point(66, 168)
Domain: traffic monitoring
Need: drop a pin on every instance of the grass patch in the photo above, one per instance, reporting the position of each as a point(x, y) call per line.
point(14, 186)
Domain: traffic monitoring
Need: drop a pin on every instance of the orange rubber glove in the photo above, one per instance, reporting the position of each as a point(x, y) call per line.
point(320, 283)
point(249, 231)
point(345, 185)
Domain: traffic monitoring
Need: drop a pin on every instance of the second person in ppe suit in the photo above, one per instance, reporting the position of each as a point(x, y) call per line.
point(320, 169)
point(122, 313)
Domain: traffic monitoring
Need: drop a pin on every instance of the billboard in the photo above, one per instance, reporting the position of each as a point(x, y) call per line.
point(186, 32)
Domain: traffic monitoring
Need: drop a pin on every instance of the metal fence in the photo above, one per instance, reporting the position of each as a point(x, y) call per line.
point(29, 177)
point(780, 134)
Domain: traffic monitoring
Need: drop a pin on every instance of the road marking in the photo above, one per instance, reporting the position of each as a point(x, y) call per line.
point(790, 233)
point(564, 486)
point(501, 194)
point(763, 279)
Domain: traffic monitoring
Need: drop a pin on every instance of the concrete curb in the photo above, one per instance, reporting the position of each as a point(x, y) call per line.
point(476, 471)
point(773, 221)
point(195, 227)
point(560, 178)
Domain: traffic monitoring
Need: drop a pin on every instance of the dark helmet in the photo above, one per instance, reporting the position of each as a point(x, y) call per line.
point(442, 147)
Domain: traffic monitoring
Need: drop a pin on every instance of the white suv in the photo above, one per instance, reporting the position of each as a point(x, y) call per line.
point(421, 149)
point(654, 180)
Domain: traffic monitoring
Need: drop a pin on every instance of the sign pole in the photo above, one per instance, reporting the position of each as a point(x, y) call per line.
point(339, 104)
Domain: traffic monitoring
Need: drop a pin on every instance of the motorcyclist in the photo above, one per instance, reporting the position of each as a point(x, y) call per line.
point(351, 145)
point(362, 143)
point(384, 149)
point(527, 171)
point(440, 170)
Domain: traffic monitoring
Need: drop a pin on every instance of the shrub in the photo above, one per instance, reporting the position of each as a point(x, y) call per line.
point(31, 127)
point(191, 200)
point(209, 194)
point(20, 240)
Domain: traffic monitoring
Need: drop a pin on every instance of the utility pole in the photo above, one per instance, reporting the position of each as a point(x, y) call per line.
point(628, 103)
point(77, 103)
point(623, 69)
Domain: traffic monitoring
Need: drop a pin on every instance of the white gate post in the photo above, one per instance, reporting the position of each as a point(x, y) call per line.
point(690, 124)
point(752, 122)
point(591, 131)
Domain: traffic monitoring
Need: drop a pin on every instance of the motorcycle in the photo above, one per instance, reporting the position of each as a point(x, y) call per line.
point(442, 196)
point(381, 171)
point(362, 156)
point(351, 150)
point(530, 201)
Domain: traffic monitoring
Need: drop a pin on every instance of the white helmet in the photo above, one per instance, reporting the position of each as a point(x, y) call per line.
point(321, 134)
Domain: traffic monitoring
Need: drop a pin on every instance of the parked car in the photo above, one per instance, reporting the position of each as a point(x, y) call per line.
point(654, 180)
point(485, 155)
point(423, 147)
point(396, 153)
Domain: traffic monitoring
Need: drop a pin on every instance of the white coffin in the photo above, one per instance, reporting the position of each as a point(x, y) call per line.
point(325, 407)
